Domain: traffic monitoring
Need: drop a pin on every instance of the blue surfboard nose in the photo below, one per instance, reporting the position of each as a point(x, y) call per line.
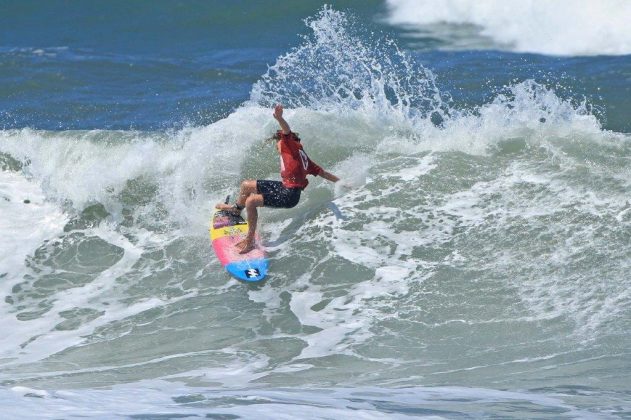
point(250, 270)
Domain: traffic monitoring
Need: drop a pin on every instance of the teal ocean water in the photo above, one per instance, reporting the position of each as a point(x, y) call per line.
point(478, 267)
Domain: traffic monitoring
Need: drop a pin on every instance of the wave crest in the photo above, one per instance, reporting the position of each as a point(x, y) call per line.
point(340, 68)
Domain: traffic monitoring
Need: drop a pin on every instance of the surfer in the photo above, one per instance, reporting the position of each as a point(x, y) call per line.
point(295, 165)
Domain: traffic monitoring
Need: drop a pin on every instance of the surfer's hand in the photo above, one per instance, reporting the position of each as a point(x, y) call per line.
point(278, 111)
point(278, 114)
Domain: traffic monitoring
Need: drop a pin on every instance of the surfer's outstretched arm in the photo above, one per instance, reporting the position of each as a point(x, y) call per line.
point(278, 115)
point(328, 176)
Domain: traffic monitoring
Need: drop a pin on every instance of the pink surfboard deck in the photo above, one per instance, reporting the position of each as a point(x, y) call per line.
point(226, 230)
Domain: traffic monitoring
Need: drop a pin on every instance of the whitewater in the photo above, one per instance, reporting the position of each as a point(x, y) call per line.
point(564, 27)
point(477, 267)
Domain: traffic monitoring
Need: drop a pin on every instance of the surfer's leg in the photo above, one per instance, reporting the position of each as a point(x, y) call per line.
point(252, 202)
point(247, 187)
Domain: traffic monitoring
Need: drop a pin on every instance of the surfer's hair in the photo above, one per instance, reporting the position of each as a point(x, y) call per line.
point(277, 135)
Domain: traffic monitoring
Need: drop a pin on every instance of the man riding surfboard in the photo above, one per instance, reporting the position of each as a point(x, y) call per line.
point(295, 165)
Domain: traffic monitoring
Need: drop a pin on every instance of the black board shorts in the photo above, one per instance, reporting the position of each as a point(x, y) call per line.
point(275, 194)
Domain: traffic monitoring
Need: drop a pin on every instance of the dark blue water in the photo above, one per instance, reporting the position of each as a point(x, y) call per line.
point(157, 65)
point(150, 65)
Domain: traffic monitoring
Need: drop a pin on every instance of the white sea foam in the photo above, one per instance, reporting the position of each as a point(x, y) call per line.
point(563, 27)
point(527, 110)
point(243, 369)
point(151, 398)
point(83, 168)
point(586, 296)
point(24, 227)
point(27, 220)
point(36, 339)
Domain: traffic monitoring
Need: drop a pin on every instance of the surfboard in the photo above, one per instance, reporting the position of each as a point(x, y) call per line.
point(226, 230)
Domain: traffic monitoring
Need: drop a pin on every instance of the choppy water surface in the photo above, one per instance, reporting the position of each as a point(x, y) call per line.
point(478, 267)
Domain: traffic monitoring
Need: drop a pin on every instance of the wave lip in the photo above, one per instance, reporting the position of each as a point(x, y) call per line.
point(563, 27)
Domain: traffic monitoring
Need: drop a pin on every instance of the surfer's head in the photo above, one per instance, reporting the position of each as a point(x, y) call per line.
point(278, 135)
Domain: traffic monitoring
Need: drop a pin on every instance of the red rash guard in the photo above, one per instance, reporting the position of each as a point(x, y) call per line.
point(295, 165)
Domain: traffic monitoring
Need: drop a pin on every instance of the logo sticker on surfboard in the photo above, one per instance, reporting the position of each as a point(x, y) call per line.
point(252, 273)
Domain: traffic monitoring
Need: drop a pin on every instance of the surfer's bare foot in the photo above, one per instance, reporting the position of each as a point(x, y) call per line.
point(227, 207)
point(245, 246)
